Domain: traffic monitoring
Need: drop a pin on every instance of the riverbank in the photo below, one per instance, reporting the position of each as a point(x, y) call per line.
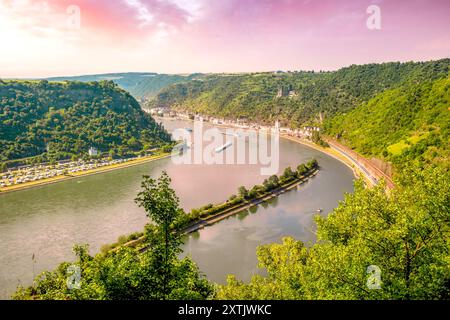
point(33, 184)
point(229, 209)
point(247, 205)
point(357, 168)
point(99, 210)
point(357, 172)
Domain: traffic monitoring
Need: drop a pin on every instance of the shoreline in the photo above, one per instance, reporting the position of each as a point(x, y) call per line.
point(106, 169)
point(357, 171)
point(336, 155)
point(228, 212)
point(245, 206)
point(328, 151)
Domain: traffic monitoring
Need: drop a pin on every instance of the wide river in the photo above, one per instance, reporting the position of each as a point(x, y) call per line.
point(47, 221)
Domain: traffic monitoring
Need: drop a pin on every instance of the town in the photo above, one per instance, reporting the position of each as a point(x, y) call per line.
point(305, 132)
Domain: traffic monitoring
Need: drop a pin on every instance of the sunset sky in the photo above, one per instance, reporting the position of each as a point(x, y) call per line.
point(43, 38)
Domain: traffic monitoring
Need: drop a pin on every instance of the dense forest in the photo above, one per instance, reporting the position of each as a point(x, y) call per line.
point(295, 98)
point(408, 124)
point(57, 120)
point(141, 85)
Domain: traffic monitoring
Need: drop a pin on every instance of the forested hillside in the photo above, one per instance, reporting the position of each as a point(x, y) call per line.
point(409, 123)
point(65, 119)
point(373, 246)
point(141, 85)
point(376, 244)
point(304, 97)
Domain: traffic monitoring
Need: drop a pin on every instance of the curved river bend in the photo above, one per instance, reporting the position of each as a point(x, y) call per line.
point(46, 221)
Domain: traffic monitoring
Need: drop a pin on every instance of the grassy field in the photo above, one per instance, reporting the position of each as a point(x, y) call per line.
point(399, 147)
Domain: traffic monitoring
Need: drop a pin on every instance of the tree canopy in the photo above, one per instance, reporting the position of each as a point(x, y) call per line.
point(406, 243)
point(60, 119)
point(294, 98)
point(407, 124)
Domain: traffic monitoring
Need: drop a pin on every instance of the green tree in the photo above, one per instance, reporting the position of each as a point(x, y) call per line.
point(243, 192)
point(312, 164)
point(152, 272)
point(112, 154)
point(288, 174)
point(407, 241)
point(133, 143)
point(302, 169)
point(162, 207)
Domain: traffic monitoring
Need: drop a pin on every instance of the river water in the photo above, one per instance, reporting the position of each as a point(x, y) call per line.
point(46, 221)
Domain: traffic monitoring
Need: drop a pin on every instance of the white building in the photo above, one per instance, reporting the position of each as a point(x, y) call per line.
point(93, 152)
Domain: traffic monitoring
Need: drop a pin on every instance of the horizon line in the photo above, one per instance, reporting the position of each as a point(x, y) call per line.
point(316, 70)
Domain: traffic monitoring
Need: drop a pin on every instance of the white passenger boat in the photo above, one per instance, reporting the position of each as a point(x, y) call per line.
point(221, 148)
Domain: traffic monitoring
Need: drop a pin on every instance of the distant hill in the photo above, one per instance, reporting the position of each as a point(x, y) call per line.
point(67, 118)
point(295, 98)
point(142, 85)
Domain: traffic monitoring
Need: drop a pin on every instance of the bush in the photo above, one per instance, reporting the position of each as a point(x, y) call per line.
point(302, 170)
point(122, 239)
point(312, 164)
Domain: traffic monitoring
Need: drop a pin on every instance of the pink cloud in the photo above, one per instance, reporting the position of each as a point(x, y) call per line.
point(245, 35)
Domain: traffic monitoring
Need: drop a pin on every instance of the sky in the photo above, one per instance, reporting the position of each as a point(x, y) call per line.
point(75, 37)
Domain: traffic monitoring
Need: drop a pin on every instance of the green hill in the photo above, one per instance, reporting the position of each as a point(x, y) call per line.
point(306, 97)
point(142, 85)
point(411, 122)
point(68, 118)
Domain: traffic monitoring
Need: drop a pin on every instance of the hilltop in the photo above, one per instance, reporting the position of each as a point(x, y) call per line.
point(141, 85)
point(295, 98)
point(57, 120)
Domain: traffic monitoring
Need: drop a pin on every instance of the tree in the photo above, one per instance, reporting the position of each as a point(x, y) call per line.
point(153, 272)
point(301, 170)
point(243, 192)
point(167, 148)
point(112, 154)
point(406, 241)
point(162, 207)
point(312, 164)
point(288, 174)
point(274, 180)
point(133, 143)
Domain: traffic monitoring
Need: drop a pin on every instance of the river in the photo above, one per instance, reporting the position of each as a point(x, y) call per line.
point(46, 221)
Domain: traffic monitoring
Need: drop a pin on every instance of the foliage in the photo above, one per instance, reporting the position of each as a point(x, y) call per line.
point(244, 195)
point(243, 192)
point(126, 273)
point(317, 139)
point(139, 85)
point(61, 120)
point(408, 241)
point(315, 95)
point(407, 124)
